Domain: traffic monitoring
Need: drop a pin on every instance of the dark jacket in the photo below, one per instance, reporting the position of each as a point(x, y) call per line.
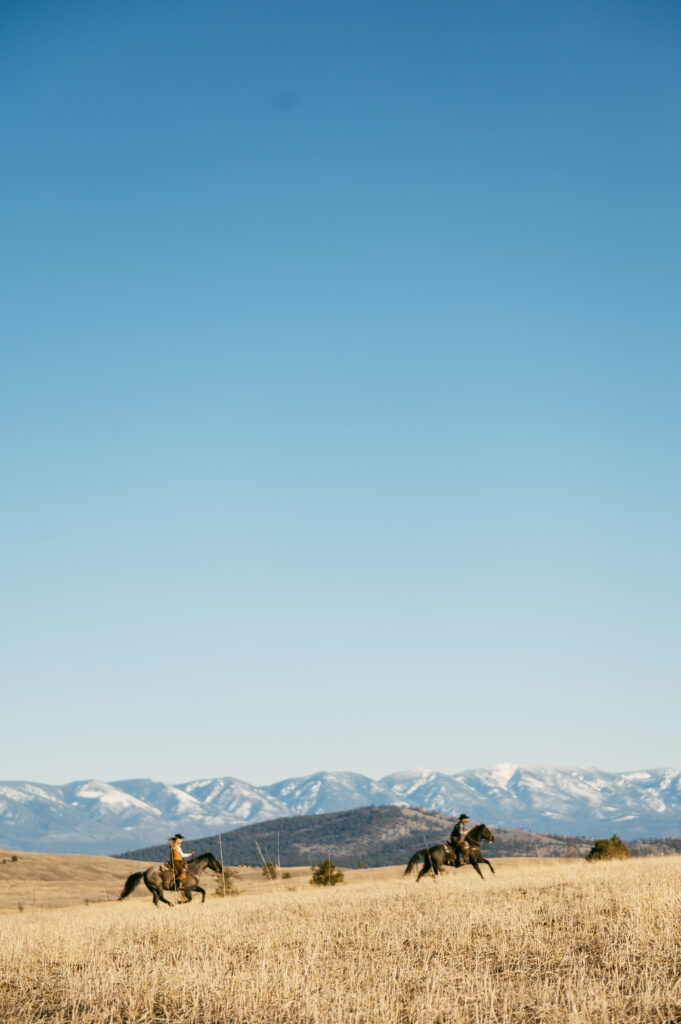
point(459, 831)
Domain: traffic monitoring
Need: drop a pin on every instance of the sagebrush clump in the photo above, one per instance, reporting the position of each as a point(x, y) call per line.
point(225, 884)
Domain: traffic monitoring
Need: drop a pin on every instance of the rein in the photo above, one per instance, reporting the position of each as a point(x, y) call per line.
point(201, 862)
point(476, 842)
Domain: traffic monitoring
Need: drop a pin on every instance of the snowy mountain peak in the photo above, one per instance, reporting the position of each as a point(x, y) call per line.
point(108, 796)
point(503, 772)
point(91, 816)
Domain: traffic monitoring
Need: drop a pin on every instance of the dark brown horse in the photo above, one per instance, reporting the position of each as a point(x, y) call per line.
point(436, 857)
point(161, 876)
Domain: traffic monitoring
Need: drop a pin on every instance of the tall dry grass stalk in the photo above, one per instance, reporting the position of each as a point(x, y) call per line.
point(539, 942)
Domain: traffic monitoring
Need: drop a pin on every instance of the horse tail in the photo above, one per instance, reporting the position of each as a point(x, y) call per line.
point(414, 860)
point(131, 883)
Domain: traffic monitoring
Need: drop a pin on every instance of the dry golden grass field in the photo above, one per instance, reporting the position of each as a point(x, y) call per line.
point(539, 942)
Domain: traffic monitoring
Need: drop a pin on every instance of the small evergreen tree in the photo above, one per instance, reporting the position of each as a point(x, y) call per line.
point(609, 849)
point(269, 870)
point(326, 873)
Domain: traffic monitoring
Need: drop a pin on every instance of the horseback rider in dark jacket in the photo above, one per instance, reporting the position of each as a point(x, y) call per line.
point(457, 839)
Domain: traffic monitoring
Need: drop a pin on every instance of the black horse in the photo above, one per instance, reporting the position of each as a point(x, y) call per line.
point(435, 857)
point(161, 876)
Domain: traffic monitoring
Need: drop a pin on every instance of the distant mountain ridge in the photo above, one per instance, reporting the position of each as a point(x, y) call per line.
point(91, 816)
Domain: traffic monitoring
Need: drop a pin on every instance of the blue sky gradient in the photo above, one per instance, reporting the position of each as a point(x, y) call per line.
point(340, 387)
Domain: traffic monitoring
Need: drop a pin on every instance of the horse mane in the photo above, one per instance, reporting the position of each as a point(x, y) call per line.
point(474, 834)
point(202, 857)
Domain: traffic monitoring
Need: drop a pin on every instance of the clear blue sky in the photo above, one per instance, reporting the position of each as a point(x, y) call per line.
point(340, 386)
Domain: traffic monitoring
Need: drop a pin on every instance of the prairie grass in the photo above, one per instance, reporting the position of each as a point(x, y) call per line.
point(538, 943)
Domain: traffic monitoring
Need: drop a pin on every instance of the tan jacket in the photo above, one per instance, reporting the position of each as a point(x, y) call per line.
point(176, 852)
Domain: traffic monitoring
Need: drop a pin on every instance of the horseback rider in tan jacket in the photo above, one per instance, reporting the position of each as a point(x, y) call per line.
point(457, 839)
point(177, 858)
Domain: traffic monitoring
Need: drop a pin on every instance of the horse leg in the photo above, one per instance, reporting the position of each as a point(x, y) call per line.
point(424, 871)
point(474, 864)
point(431, 862)
point(163, 899)
point(202, 891)
point(157, 892)
point(484, 861)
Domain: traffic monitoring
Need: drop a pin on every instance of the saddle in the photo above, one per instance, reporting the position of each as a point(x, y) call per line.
point(460, 848)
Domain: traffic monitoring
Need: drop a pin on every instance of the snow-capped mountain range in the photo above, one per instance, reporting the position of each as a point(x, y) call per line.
point(109, 817)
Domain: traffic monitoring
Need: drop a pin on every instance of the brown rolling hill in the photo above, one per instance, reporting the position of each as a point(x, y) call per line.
point(60, 880)
point(371, 836)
